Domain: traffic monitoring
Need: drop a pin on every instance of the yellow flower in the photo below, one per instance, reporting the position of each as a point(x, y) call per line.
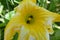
point(31, 22)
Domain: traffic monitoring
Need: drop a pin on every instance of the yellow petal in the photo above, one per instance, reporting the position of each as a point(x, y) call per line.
point(31, 0)
point(11, 31)
point(57, 19)
point(36, 27)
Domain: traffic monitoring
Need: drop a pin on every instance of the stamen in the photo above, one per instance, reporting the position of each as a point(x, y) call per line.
point(28, 21)
point(31, 16)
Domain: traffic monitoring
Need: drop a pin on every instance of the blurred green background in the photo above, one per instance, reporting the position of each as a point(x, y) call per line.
point(7, 12)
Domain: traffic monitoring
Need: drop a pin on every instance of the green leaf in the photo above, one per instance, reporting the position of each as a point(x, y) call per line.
point(2, 25)
point(42, 3)
point(1, 8)
point(9, 15)
point(2, 22)
point(57, 35)
point(1, 33)
point(17, 1)
point(15, 36)
point(52, 6)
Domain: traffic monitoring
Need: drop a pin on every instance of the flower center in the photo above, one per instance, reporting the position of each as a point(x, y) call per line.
point(29, 19)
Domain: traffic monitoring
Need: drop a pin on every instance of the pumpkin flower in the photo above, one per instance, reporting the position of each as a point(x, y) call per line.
point(31, 22)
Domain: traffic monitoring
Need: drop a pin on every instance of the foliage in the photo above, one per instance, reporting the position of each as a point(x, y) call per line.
point(7, 12)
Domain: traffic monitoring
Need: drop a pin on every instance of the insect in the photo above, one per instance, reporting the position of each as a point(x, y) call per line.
point(31, 22)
